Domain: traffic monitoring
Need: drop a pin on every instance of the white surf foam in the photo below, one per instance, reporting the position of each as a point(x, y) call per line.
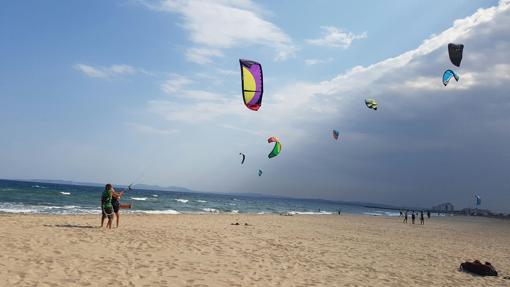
point(309, 213)
point(181, 200)
point(211, 210)
point(382, 213)
point(139, 198)
point(65, 193)
point(168, 211)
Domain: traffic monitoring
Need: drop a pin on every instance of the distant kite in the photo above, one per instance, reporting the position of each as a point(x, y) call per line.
point(478, 200)
point(244, 157)
point(335, 134)
point(447, 75)
point(252, 84)
point(371, 104)
point(277, 147)
point(260, 172)
point(455, 53)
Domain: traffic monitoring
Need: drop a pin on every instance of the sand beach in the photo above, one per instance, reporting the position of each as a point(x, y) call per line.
point(273, 250)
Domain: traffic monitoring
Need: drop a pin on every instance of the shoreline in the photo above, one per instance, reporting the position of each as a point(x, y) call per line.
point(325, 214)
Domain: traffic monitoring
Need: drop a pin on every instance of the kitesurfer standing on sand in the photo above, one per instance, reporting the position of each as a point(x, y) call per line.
point(106, 205)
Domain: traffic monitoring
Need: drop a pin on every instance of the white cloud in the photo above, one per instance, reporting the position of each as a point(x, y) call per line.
point(202, 55)
point(107, 72)
point(195, 112)
point(191, 105)
point(177, 86)
point(427, 142)
point(314, 101)
point(228, 72)
point(334, 37)
point(223, 24)
point(151, 130)
point(421, 132)
point(175, 83)
point(311, 62)
point(243, 130)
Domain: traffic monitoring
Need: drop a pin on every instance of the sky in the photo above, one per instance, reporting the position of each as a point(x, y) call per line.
point(150, 92)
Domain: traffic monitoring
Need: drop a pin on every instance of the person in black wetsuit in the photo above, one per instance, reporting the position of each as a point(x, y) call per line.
point(422, 219)
point(413, 217)
point(116, 205)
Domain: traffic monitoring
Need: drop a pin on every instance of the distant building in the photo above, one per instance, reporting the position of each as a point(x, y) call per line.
point(476, 211)
point(443, 207)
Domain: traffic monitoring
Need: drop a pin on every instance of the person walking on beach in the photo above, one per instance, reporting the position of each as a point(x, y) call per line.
point(405, 218)
point(422, 219)
point(428, 214)
point(413, 217)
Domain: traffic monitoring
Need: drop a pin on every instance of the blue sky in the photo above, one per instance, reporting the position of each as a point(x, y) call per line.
point(149, 91)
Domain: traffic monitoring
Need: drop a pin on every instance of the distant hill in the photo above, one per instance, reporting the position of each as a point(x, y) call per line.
point(163, 188)
point(136, 186)
point(65, 182)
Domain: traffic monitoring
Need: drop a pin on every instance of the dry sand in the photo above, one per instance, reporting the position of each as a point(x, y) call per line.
point(206, 250)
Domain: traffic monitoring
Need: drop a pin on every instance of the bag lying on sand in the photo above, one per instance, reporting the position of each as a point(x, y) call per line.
point(476, 267)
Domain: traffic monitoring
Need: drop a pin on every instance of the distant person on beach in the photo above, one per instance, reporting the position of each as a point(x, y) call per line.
point(405, 218)
point(413, 217)
point(339, 211)
point(107, 206)
point(422, 219)
point(428, 214)
point(401, 214)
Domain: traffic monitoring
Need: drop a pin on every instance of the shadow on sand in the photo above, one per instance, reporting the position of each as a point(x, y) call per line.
point(70, 226)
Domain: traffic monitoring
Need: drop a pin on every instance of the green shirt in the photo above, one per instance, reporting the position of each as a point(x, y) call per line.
point(106, 199)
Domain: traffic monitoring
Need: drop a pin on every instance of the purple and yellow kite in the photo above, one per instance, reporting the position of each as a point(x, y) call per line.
point(277, 147)
point(253, 88)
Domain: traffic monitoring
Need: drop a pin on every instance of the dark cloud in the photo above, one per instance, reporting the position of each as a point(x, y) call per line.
point(427, 144)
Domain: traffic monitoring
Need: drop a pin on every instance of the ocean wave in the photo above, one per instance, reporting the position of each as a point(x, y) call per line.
point(382, 213)
point(46, 209)
point(168, 211)
point(65, 193)
point(38, 186)
point(18, 210)
point(202, 201)
point(211, 210)
point(155, 195)
point(139, 198)
point(235, 211)
point(181, 200)
point(308, 213)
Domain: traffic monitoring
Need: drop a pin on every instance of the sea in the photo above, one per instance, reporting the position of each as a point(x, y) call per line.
point(28, 197)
